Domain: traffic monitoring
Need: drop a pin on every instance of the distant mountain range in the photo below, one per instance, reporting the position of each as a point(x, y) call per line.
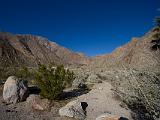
point(32, 50)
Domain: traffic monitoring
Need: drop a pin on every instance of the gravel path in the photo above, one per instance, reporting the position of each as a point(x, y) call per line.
point(101, 100)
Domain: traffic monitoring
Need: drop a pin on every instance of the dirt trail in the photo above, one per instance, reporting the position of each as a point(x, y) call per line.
point(101, 100)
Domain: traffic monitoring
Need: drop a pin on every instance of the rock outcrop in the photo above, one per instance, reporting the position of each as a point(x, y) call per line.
point(35, 102)
point(74, 109)
point(15, 90)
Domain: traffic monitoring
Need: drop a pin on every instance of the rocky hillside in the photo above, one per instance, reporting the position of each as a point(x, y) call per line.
point(136, 54)
point(134, 71)
point(32, 50)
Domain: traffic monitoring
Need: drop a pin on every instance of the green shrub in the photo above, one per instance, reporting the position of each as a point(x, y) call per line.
point(52, 81)
point(25, 73)
point(5, 72)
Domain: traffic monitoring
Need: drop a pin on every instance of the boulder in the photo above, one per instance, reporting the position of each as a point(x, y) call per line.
point(78, 83)
point(37, 103)
point(107, 116)
point(15, 90)
point(74, 109)
point(93, 79)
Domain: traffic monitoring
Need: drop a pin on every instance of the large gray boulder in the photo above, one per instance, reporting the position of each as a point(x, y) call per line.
point(74, 109)
point(15, 90)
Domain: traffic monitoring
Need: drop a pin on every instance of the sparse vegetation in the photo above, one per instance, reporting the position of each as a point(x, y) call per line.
point(21, 72)
point(156, 36)
point(6, 72)
point(140, 91)
point(52, 81)
point(24, 73)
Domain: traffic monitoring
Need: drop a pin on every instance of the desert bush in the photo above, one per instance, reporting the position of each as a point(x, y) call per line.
point(24, 73)
point(52, 81)
point(140, 91)
point(6, 72)
point(21, 72)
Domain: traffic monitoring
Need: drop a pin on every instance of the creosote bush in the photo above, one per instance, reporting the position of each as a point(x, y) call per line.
point(52, 81)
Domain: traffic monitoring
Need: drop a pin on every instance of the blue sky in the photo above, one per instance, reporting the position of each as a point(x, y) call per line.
point(90, 26)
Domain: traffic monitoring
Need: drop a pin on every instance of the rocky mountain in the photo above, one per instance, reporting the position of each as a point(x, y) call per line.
point(32, 50)
point(131, 73)
point(136, 54)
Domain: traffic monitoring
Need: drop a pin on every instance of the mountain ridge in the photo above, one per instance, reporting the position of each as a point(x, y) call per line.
point(137, 54)
point(39, 50)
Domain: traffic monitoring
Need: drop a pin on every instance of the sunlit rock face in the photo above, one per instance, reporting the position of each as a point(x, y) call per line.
point(136, 54)
point(33, 50)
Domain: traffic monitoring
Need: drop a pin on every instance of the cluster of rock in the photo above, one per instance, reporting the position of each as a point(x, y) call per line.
point(16, 90)
point(77, 109)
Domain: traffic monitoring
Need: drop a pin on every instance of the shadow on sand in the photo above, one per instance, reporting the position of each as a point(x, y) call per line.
point(74, 93)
